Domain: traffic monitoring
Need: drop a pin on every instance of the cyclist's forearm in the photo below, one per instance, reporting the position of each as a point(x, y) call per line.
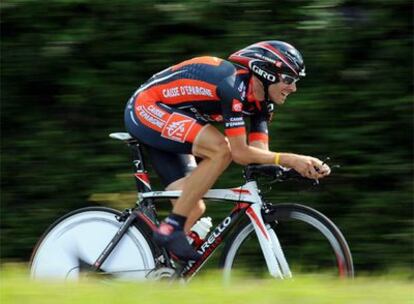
point(287, 159)
point(250, 155)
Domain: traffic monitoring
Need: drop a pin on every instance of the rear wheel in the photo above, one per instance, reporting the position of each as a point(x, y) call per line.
point(311, 243)
point(73, 243)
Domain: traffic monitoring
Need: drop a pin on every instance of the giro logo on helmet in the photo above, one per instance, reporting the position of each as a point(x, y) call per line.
point(264, 74)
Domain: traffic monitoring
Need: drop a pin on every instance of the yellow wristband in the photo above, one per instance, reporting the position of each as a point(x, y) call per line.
point(277, 159)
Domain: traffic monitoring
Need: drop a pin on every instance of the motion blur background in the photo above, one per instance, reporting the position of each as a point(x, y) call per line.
point(68, 68)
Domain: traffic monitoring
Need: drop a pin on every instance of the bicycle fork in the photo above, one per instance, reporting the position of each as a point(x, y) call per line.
point(269, 243)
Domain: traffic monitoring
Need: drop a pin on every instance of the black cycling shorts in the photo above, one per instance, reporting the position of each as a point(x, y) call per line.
point(167, 134)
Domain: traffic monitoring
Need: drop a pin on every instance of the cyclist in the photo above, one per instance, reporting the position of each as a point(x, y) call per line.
point(172, 114)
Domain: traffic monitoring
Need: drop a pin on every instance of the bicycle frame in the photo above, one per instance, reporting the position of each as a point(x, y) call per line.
point(246, 197)
point(248, 201)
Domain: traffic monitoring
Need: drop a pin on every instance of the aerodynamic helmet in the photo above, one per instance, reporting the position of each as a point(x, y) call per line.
point(270, 60)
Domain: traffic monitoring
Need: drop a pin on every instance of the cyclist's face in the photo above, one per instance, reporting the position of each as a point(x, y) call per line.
point(279, 91)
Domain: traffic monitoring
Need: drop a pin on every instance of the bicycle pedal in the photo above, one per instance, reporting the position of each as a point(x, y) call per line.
point(162, 273)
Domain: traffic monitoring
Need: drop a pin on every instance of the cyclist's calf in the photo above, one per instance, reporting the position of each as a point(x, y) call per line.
point(196, 212)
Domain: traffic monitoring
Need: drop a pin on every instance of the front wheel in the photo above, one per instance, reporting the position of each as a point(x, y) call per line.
point(74, 242)
point(310, 243)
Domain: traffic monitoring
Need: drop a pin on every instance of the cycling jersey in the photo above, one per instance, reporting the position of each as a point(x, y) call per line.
point(170, 109)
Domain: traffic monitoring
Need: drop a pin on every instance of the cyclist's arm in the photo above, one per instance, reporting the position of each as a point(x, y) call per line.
point(259, 145)
point(258, 133)
point(307, 166)
point(244, 154)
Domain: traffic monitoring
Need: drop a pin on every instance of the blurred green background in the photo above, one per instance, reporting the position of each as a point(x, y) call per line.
point(69, 66)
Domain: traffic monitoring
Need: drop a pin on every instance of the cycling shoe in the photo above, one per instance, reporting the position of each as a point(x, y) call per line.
point(176, 242)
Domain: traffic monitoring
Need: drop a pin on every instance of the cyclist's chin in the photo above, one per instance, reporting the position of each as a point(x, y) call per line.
point(279, 101)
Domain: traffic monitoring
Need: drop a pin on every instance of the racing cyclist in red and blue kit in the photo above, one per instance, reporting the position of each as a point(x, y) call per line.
point(173, 113)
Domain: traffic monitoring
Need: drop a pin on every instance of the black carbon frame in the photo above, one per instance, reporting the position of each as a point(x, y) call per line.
point(214, 239)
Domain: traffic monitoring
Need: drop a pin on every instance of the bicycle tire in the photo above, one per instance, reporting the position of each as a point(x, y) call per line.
point(307, 219)
point(69, 247)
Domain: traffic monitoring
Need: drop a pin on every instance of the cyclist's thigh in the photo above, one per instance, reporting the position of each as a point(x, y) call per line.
point(210, 141)
point(170, 166)
point(162, 127)
point(168, 135)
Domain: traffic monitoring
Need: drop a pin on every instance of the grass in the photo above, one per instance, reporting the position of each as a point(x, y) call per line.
point(17, 288)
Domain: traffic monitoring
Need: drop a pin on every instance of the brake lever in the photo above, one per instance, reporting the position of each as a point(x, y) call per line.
point(316, 181)
point(325, 161)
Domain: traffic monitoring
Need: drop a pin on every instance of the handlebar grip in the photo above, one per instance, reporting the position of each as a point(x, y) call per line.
point(277, 173)
point(293, 174)
point(253, 171)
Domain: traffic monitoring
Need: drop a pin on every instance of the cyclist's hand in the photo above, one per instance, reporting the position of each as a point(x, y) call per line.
point(310, 167)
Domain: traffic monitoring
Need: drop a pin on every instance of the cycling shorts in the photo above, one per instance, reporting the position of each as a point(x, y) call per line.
point(170, 166)
point(167, 134)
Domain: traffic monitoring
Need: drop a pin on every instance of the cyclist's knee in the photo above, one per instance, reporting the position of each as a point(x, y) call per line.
point(212, 144)
point(218, 149)
point(222, 150)
point(228, 157)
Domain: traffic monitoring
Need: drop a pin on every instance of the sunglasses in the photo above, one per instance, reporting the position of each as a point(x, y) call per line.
point(286, 79)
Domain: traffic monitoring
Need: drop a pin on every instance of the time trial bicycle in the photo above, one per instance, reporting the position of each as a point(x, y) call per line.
point(260, 237)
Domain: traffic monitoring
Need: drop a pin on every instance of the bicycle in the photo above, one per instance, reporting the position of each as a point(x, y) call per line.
point(119, 245)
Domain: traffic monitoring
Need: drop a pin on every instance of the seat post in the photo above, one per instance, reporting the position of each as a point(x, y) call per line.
point(141, 175)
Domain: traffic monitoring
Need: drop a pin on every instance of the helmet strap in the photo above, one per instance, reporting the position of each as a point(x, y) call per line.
point(268, 105)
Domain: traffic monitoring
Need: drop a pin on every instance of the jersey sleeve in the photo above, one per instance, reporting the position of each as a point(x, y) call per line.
point(258, 129)
point(232, 108)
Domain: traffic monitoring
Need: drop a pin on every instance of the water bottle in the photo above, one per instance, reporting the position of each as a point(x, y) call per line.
point(199, 231)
